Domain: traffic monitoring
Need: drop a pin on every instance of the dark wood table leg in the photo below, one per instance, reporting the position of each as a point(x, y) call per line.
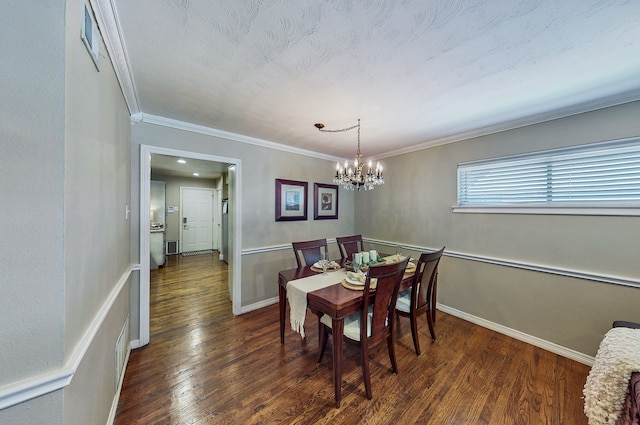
point(282, 298)
point(337, 326)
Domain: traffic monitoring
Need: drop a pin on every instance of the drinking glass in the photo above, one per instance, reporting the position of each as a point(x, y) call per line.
point(324, 261)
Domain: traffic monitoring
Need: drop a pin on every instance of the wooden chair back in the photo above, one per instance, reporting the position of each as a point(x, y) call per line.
point(309, 252)
point(379, 327)
point(383, 300)
point(349, 245)
point(425, 280)
point(422, 299)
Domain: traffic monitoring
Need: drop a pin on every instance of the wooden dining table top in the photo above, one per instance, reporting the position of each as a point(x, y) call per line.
point(338, 301)
point(285, 276)
point(335, 300)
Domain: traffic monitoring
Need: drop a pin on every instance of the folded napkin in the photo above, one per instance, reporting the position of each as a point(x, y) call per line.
point(393, 259)
point(331, 265)
point(360, 276)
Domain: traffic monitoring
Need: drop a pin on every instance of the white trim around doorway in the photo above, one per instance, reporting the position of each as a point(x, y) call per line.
point(145, 178)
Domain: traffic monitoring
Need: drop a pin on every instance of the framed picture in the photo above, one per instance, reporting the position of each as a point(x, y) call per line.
point(325, 201)
point(291, 200)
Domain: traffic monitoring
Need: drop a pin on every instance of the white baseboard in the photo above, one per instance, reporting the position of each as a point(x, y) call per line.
point(259, 305)
point(521, 336)
point(538, 342)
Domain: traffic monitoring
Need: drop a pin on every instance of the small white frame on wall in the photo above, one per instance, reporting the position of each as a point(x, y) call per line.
point(89, 33)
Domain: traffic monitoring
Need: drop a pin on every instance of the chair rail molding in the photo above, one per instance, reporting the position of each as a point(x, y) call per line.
point(602, 278)
point(44, 383)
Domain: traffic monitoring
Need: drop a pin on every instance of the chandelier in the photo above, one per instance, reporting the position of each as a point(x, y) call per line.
point(357, 177)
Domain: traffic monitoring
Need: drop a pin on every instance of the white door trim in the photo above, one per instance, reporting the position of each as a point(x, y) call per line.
point(145, 179)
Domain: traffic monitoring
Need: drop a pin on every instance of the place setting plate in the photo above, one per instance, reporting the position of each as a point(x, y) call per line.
point(392, 259)
point(350, 282)
point(350, 278)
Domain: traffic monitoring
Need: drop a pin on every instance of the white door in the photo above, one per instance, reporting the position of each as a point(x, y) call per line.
point(197, 219)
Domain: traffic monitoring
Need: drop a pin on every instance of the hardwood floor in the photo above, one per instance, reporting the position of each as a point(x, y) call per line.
point(206, 366)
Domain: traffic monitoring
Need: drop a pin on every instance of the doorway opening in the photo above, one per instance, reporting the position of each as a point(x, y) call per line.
point(233, 167)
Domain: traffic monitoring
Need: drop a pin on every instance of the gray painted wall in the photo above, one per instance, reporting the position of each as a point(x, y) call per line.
point(415, 207)
point(32, 185)
point(97, 231)
point(66, 175)
point(97, 188)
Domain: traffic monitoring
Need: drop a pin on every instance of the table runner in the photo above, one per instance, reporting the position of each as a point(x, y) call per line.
point(297, 291)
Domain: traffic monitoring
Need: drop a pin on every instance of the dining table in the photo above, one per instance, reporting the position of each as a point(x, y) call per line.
point(334, 300)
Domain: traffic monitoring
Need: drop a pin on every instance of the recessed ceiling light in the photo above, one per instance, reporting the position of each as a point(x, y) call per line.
point(196, 174)
point(182, 161)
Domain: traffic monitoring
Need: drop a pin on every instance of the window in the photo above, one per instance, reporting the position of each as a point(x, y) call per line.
point(600, 175)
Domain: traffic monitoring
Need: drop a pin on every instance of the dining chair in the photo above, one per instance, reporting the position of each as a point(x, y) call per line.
point(309, 251)
point(421, 297)
point(374, 322)
point(349, 245)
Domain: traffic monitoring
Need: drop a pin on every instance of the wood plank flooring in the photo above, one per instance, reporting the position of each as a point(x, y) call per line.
point(206, 366)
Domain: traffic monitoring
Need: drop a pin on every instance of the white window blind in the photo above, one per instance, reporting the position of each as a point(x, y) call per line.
point(601, 174)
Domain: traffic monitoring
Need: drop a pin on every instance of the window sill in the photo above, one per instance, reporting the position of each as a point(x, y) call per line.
point(551, 210)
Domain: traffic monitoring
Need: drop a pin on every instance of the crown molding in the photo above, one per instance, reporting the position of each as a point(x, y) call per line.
point(200, 129)
point(108, 22)
point(623, 92)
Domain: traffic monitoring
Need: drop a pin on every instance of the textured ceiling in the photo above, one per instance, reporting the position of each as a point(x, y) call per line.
point(417, 73)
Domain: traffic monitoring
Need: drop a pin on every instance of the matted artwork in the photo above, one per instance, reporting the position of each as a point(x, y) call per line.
point(291, 200)
point(325, 201)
